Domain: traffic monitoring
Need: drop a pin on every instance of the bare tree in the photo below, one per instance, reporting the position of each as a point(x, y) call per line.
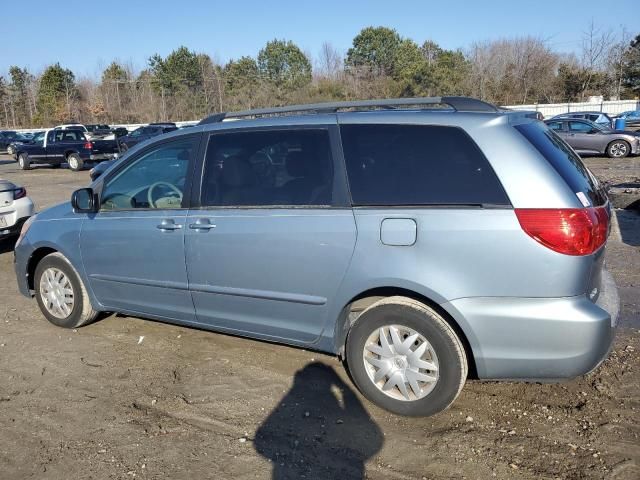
point(330, 62)
point(596, 43)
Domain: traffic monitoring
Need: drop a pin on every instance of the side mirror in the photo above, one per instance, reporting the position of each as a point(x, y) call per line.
point(84, 201)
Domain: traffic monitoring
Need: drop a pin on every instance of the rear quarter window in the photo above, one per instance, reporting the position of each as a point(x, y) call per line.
point(564, 160)
point(413, 165)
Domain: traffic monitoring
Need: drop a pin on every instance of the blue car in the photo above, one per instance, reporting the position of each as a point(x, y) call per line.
point(421, 245)
point(631, 118)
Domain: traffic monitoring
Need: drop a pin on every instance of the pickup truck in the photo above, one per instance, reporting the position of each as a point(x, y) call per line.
point(71, 146)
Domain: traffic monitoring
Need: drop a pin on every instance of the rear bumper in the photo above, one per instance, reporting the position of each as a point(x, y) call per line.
point(539, 338)
point(98, 157)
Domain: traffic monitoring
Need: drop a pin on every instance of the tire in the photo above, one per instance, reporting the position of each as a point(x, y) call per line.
point(448, 366)
point(75, 162)
point(23, 162)
point(618, 149)
point(10, 150)
point(80, 312)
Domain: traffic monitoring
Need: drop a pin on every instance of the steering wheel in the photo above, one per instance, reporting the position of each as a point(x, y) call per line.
point(117, 201)
point(166, 184)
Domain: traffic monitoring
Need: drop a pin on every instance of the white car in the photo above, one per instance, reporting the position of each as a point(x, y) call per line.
point(15, 208)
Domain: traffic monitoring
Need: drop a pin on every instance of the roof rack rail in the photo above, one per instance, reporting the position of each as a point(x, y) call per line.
point(459, 104)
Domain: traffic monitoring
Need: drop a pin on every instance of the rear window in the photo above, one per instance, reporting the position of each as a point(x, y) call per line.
point(393, 165)
point(564, 160)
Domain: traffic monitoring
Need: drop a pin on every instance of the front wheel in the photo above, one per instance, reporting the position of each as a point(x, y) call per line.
point(60, 293)
point(406, 358)
point(618, 149)
point(10, 150)
point(23, 162)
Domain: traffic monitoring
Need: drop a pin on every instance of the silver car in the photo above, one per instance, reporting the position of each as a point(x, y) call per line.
point(421, 245)
point(589, 138)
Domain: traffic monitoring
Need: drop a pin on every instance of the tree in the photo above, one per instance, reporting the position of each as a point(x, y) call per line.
point(178, 71)
point(114, 89)
point(411, 71)
point(631, 67)
point(56, 94)
point(4, 99)
point(19, 90)
point(330, 62)
point(376, 48)
point(451, 72)
point(595, 45)
point(241, 75)
point(283, 64)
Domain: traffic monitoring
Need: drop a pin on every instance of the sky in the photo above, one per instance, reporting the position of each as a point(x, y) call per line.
point(86, 36)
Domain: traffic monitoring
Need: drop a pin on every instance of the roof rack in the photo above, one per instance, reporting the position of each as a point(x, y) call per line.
point(459, 104)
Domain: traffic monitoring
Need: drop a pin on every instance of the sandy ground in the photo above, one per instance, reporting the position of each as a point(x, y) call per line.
point(125, 397)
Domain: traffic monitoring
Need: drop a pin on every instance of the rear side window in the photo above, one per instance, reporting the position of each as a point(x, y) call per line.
point(564, 160)
point(580, 127)
point(393, 165)
point(268, 168)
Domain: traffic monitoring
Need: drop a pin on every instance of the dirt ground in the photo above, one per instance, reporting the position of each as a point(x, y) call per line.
point(131, 398)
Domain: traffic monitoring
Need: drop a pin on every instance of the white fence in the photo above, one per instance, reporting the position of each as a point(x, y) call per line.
point(612, 107)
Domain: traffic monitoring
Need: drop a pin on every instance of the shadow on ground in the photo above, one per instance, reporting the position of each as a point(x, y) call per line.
point(7, 244)
point(318, 430)
point(629, 224)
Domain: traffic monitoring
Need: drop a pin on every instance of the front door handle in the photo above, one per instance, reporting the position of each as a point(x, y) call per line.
point(168, 225)
point(202, 224)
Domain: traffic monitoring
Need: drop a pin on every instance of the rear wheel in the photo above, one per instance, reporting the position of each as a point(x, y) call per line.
point(618, 149)
point(75, 162)
point(23, 162)
point(10, 150)
point(60, 293)
point(404, 356)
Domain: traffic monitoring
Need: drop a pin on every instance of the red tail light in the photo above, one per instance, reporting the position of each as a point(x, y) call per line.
point(88, 145)
point(572, 231)
point(19, 193)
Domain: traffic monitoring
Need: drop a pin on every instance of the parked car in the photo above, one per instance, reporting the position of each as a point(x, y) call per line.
point(589, 138)
point(99, 169)
point(144, 133)
point(631, 118)
point(70, 145)
point(597, 117)
point(6, 137)
point(19, 139)
point(119, 131)
point(15, 208)
point(96, 130)
point(403, 241)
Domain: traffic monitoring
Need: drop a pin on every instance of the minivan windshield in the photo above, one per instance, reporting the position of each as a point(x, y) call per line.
point(564, 160)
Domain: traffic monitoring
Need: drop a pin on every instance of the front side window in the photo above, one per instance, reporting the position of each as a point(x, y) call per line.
point(555, 125)
point(268, 168)
point(413, 165)
point(154, 180)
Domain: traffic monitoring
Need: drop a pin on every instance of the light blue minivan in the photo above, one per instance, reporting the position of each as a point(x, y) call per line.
point(423, 241)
